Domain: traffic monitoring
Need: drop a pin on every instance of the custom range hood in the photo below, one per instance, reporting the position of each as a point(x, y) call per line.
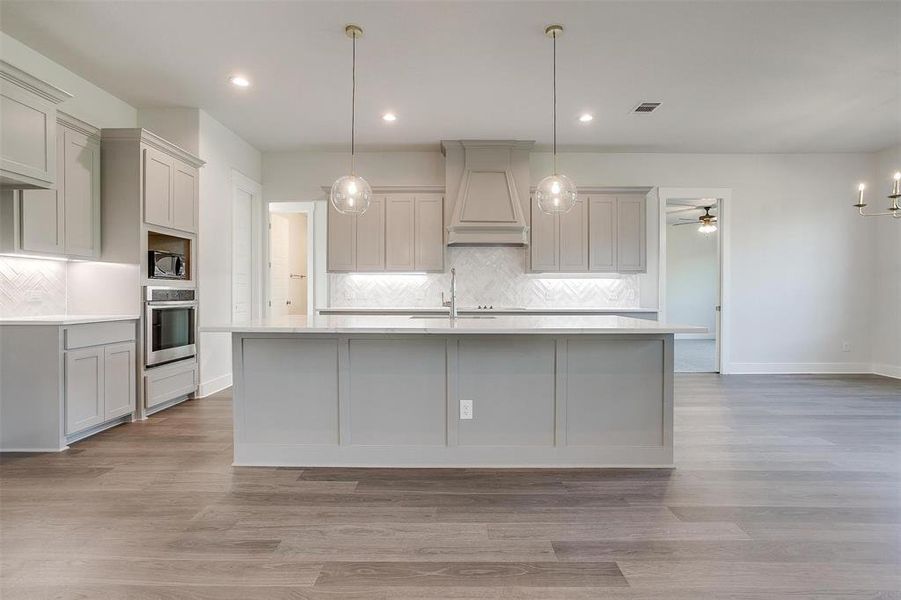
point(487, 188)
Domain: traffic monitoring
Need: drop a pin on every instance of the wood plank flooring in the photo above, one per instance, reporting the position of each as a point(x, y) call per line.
point(785, 487)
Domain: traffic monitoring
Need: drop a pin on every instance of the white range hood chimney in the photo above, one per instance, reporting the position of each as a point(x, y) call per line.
point(487, 187)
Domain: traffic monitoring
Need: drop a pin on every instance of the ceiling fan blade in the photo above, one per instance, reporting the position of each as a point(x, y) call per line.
point(691, 223)
point(673, 211)
point(690, 220)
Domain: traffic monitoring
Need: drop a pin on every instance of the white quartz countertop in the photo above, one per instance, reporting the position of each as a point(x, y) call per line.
point(431, 324)
point(437, 310)
point(65, 319)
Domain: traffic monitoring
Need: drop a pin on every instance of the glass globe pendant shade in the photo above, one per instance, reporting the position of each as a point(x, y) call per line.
point(556, 194)
point(707, 227)
point(351, 195)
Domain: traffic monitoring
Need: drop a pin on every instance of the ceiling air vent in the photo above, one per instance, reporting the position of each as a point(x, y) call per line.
point(646, 107)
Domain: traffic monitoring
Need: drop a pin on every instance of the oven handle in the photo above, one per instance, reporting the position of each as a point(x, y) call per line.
point(164, 304)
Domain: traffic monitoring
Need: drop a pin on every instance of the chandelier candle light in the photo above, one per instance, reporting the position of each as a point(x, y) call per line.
point(556, 194)
point(894, 208)
point(351, 194)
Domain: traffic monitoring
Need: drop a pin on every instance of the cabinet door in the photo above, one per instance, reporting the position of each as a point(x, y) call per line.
point(429, 233)
point(399, 219)
point(119, 380)
point(630, 234)
point(544, 244)
point(84, 389)
point(371, 237)
point(184, 197)
point(159, 174)
point(43, 215)
point(602, 234)
point(79, 170)
point(342, 240)
point(574, 238)
point(27, 146)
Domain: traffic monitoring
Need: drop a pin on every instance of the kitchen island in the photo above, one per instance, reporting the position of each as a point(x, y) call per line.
point(489, 391)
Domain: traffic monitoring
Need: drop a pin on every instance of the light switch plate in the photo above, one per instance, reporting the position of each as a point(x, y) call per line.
point(465, 409)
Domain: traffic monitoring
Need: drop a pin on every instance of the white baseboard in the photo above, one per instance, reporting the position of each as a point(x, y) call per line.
point(887, 370)
point(214, 385)
point(797, 368)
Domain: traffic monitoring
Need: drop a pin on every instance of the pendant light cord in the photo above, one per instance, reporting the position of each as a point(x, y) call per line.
point(555, 103)
point(353, 100)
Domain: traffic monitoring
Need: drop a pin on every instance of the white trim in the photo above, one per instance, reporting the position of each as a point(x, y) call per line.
point(63, 449)
point(893, 371)
point(724, 201)
point(214, 385)
point(799, 368)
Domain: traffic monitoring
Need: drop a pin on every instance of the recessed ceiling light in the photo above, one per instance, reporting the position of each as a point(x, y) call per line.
point(239, 81)
point(586, 118)
point(389, 117)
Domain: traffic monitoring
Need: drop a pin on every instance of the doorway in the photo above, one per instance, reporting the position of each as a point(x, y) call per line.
point(291, 259)
point(692, 266)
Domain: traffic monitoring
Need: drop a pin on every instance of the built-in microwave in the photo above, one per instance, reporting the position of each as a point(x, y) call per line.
point(170, 318)
point(166, 265)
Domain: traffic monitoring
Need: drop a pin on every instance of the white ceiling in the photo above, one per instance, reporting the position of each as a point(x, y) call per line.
point(732, 76)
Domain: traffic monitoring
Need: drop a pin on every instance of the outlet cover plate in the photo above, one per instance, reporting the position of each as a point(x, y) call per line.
point(465, 409)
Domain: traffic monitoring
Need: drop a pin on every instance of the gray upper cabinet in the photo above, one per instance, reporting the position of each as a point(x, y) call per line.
point(371, 237)
point(603, 233)
point(64, 221)
point(399, 232)
point(630, 234)
point(170, 191)
point(28, 122)
point(560, 242)
point(400, 213)
point(574, 238)
point(184, 197)
point(342, 241)
point(428, 239)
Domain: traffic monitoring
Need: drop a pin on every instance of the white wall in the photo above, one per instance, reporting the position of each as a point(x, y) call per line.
point(89, 103)
point(691, 272)
point(223, 151)
point(886, 290)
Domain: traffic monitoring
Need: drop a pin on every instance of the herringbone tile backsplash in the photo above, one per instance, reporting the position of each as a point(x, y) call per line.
point(485, 275)
point(31, 287)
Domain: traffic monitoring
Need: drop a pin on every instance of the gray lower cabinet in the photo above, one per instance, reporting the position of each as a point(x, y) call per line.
point(603, 233)
point(99, 385)
point(399, 232)
point(84, 389)
point(63, 221)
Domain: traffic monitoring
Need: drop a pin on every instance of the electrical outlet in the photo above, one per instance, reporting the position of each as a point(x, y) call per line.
point(465, 409)
point(846, 346)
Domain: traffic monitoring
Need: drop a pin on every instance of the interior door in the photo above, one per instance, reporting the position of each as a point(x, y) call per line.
point(278, 266)
point(242, 260)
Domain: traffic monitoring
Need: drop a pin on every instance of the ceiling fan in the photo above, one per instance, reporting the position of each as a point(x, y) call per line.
point(707, 221)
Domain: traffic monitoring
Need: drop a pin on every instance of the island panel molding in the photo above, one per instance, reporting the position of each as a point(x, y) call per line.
point(384, 391)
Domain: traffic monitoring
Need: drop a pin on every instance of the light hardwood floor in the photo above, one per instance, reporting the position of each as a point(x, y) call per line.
point(785, 487)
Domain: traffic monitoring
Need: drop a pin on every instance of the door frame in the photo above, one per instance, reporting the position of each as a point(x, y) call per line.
point(240, 182)
point(724, 202)
point(313, 239)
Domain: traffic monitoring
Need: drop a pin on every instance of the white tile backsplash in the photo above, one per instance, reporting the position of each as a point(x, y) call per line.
point(485, 275)
point(32, 287)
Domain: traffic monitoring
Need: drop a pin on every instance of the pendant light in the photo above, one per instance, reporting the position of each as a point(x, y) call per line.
point(556, 194)
point(351, 194)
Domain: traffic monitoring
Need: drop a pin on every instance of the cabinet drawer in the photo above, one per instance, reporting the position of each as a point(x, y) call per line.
point(96, 334)
point(169, 383)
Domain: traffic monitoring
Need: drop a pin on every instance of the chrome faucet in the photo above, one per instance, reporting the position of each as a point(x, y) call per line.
point(452, 303)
